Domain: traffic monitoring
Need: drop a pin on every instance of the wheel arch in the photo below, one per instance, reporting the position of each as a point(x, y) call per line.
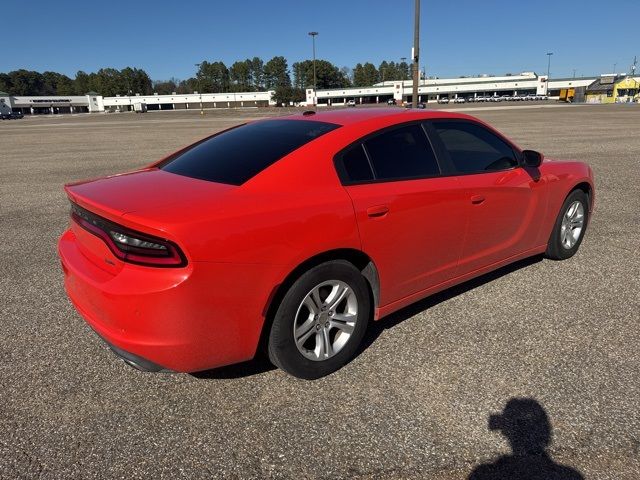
point(587, 188)
point(357, 258)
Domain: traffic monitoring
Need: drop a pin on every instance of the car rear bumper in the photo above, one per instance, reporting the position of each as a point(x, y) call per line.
point(136, 361)
point(187, 319)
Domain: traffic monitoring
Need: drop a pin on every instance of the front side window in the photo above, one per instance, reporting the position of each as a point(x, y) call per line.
point(401, 153)
point(474, 149)
point(234, 156)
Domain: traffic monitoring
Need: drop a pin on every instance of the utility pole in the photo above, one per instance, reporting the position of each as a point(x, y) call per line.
point(313, 37)
point(416, 54)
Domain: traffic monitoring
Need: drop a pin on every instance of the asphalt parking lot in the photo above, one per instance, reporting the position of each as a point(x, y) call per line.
point(414, 404)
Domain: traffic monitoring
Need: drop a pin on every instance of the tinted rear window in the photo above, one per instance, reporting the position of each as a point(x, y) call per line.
point(238, 154)
point(356, 165)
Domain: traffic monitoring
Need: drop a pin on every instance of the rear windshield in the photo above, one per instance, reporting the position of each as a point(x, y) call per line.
point(236, 155)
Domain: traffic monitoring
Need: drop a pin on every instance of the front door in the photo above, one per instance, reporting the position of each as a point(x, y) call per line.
point(502, 197)
point(411, 220)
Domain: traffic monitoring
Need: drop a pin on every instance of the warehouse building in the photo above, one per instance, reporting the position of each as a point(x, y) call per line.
point(190, 101)
point(604, 89)
point(432, 90)
point(92, 102)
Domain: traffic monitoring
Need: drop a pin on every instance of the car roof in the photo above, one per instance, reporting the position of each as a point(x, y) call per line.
point(353, 116)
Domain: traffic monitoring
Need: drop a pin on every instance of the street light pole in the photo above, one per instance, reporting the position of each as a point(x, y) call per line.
point(313, 40)
point(200, 87)
point(416, 53)
point(129, 92)
point(548, 69)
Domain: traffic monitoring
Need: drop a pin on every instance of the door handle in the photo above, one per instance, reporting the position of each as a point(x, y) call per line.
point(377, 211)
point(477, 199)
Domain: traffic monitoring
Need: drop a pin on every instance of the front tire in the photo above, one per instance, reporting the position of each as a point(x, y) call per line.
point(321, 321)
point(570, 227)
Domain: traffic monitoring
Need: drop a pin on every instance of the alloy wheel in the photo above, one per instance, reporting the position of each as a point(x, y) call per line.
point(572, 224)
point(325, 320)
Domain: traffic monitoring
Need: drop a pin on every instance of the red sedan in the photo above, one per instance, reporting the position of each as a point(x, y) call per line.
point(294, 233)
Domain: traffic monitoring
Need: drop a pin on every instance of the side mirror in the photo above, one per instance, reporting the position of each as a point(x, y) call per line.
point(532, 158)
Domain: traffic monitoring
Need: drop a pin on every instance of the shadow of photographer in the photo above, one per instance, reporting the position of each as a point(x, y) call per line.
point(525, 424)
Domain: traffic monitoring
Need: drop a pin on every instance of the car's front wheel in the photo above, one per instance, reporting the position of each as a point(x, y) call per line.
point(570, 226)
point(321, 320)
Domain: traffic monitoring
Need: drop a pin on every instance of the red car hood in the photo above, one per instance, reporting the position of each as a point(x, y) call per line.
point(147, 190)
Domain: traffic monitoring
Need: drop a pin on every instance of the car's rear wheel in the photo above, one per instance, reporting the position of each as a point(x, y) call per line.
point(570, 226)
point(321, 321)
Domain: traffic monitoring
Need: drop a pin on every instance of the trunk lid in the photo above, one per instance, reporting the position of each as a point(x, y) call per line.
point(147, 189)
point(163, 199)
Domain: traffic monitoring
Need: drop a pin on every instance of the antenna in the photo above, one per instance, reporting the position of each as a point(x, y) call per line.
point(633, 67)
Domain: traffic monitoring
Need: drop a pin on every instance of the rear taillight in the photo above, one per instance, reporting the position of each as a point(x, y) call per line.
point(129, 245)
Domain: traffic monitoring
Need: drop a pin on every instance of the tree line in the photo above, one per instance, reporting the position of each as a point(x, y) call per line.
point(252, 74)
point(106, 81)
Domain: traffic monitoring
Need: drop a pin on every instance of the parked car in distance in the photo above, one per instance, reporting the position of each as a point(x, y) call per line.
point(351, 103)
point(292, 234)
point(481, 98)
point(11, 115)
point(391, 101)
point(443, 100)
point(459, 100)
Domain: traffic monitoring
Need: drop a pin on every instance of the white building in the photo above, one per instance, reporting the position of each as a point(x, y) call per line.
point(191, 101)
point(430, 90)
point(92, 102)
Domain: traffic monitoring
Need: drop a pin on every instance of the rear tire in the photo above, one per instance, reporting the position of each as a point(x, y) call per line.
point(321, 321)
point(570, 227)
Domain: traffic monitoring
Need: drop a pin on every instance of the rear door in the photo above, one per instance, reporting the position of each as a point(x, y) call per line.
point(411, 220)
point(503, 198)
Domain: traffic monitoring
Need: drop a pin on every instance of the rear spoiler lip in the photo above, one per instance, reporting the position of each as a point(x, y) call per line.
point(103, 177)
point(96, 208)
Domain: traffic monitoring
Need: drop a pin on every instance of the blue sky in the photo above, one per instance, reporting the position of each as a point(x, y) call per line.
point(458, 37)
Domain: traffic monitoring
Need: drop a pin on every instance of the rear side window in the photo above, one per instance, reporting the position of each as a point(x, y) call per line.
point(356, 165)
point(236, 155)
point(474, 149)
point(400, 153)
